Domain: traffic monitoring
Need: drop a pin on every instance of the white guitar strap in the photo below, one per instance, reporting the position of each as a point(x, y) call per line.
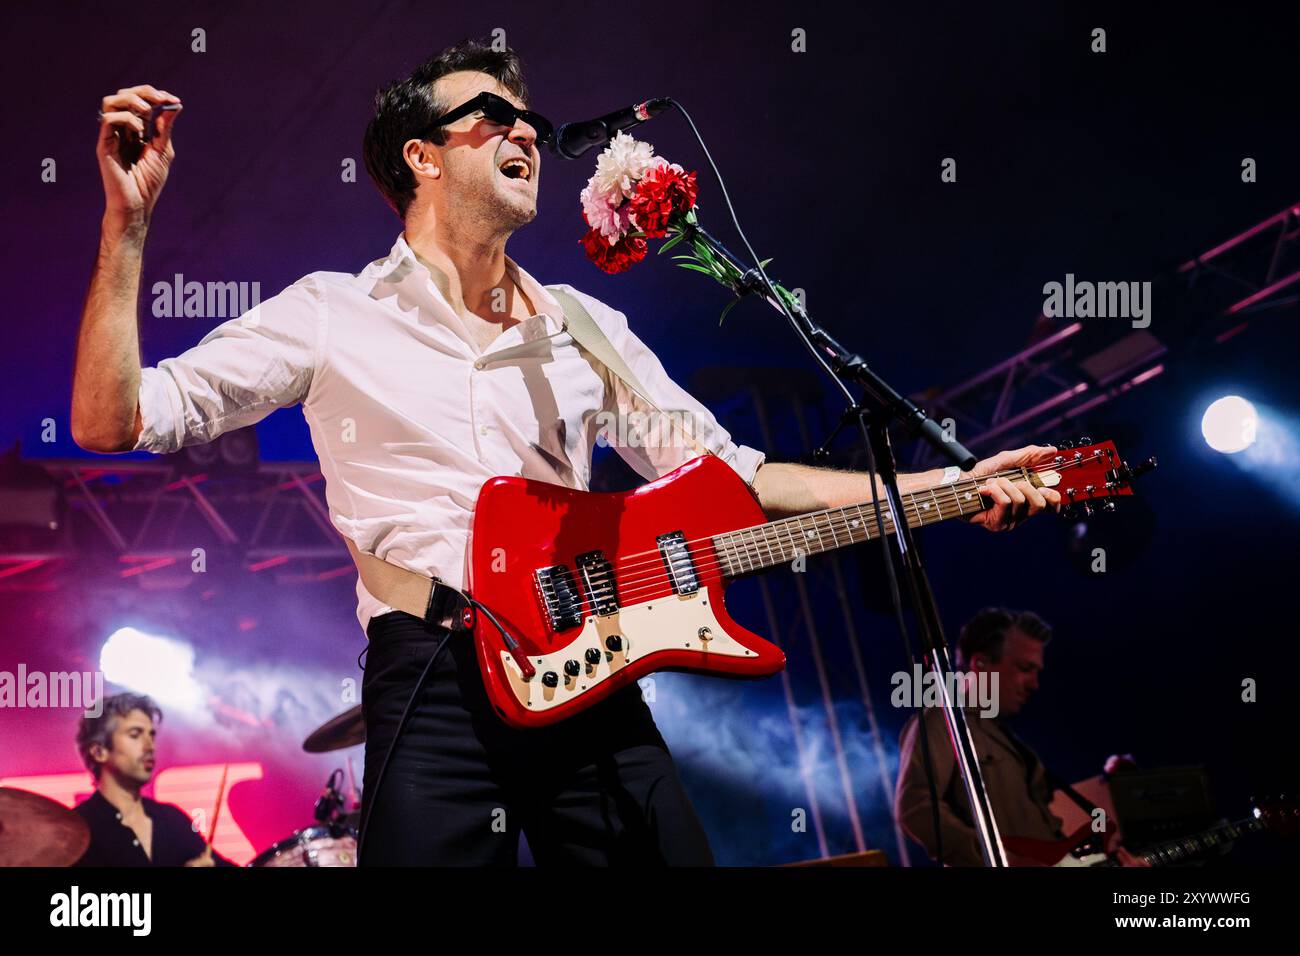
point(588, 334)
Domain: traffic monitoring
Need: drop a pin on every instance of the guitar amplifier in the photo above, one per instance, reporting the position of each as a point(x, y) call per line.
point(1164, 804)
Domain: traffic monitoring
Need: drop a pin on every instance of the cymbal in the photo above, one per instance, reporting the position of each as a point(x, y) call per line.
point(38, 831)
point(345, 730)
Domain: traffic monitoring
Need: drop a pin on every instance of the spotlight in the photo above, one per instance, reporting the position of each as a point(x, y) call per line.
point(157, 666)
point(1230, 425)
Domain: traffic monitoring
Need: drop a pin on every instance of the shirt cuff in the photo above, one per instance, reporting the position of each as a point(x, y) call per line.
point(161, 416)
point(745, 462)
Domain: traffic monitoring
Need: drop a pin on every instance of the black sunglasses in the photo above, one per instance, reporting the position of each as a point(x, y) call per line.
point(498, 110)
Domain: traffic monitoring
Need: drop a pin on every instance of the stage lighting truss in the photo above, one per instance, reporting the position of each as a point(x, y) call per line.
point(144, 520)
point(1071, 367)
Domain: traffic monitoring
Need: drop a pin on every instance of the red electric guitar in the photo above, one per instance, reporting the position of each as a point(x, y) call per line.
point(601, 589)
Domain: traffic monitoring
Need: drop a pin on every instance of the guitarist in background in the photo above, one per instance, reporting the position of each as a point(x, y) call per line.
point(1008, 645)
point(402, 373)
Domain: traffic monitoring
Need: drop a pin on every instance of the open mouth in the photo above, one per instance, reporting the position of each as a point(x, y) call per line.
point(517, 168)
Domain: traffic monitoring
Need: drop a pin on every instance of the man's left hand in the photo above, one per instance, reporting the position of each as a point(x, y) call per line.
point(1013, 501)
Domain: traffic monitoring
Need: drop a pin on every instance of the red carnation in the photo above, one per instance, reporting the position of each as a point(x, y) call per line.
point(665, 189)
point(619, 257)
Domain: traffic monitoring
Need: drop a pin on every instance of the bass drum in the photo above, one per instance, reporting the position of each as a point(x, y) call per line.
point(326, 845)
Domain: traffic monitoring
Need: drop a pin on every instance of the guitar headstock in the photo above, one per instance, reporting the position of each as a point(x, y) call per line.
point(1281, 813)
point(1090, 475)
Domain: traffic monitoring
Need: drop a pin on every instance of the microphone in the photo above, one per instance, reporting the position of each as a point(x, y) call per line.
point(330, 801)
point(573, 139)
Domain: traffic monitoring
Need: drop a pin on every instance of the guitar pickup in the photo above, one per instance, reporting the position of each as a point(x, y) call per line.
point(598, 580)
point(678, 562)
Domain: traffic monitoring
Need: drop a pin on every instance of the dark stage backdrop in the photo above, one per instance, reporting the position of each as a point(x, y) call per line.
point(1110, 165)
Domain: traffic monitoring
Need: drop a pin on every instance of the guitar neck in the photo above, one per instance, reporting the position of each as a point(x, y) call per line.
point(782, 541)
point(1175, 851)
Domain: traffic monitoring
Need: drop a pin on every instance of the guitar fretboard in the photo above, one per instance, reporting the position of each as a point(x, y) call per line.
point(786, 539)
point(1175, 851)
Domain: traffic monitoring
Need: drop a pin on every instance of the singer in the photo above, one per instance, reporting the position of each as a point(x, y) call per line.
point(428, 372)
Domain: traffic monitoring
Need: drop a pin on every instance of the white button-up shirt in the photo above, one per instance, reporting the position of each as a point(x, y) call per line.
point(409, 416)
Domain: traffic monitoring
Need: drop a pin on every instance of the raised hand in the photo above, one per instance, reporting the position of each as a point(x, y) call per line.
point(134, 171)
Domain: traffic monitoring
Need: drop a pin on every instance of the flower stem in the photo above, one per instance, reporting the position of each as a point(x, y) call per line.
point(706, 256)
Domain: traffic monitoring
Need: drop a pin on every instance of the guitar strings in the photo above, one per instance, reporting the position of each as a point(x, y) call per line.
point(716, 560)
point(710, 558)
point(655, 555)
point(708, 561)
point(968, 484)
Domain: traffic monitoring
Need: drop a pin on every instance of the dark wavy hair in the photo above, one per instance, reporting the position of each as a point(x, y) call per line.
point(986, 633)
point(405, 110)
point(99, 730)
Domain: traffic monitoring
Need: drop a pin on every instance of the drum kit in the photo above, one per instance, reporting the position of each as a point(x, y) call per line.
point(333, 840)
point(38, 831)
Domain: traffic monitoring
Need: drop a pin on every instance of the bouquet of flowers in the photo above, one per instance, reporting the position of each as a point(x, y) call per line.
point(634, 196)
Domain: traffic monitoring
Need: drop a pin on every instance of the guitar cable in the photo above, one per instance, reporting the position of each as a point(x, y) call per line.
point(372, 799)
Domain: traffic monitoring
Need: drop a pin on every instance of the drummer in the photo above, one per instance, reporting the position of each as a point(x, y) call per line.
point(127, 828)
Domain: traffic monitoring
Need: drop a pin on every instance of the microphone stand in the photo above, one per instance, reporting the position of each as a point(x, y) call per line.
point(878, 408)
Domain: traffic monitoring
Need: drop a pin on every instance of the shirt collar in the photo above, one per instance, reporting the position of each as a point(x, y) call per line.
point(101, 805)
point(551, 311)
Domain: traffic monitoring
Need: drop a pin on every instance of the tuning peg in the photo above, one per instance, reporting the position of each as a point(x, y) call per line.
point(1108, 504)
point(1126, 474)
point(1064, 444)
point(1083, 440)
point(1144, 467)
point(1087, 508)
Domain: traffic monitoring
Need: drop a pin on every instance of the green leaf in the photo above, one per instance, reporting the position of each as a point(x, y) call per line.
point(672, 242)
point(705, 254)
point(689, 265)
point(790, 298)
point(764, 263)
point(730, 305)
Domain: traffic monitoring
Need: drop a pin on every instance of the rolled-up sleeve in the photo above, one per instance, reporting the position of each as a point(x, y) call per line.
point(240, 372)
point(655, 450)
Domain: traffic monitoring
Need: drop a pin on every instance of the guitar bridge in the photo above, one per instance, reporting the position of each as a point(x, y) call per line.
point(560, 597)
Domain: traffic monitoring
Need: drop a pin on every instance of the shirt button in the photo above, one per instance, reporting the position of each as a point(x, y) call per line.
point(478, 364)
point(119, 816)
point(135, 842)
point(482, 429)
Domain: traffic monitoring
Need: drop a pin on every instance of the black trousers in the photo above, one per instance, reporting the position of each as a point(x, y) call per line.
point(598, 789)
